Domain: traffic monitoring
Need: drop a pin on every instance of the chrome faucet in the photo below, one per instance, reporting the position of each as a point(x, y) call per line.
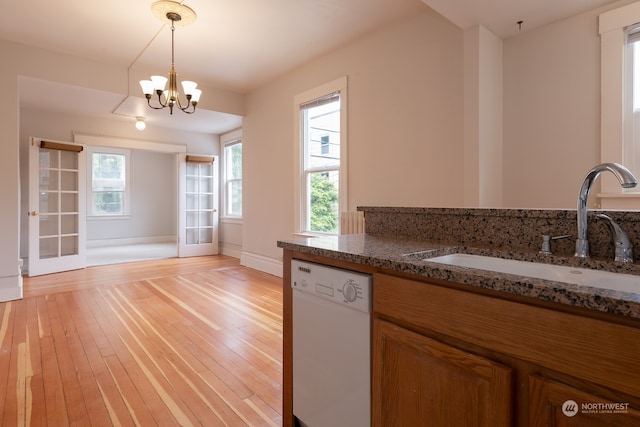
point(621, 240)
point(626, 179)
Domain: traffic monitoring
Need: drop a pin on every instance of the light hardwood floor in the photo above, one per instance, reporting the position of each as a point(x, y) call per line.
point(194, 341)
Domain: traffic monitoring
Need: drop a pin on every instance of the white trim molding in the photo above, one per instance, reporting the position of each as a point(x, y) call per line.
point(261, 263)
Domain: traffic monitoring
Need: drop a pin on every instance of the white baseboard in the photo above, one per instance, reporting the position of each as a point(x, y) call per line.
point(10, 288)
point(231, 250)
point(262, 263)
point(100, 243)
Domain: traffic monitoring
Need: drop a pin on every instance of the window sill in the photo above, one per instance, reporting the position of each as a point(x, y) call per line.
point(623, 201)
point(313, 234)
point(107, 217)
point(231, 220)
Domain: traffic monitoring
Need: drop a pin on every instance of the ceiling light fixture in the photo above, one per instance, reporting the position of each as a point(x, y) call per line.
point(176, 14)
point(140, 124)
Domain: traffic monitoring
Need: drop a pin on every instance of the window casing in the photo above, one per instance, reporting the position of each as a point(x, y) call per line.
point(321, 149)
point(232, 178)
point(109, 182)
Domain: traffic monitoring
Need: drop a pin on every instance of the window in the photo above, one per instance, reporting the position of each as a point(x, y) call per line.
point(632, 101)
point(321, 147)
point(109, 176)
point(232, 177)
point(618, 116)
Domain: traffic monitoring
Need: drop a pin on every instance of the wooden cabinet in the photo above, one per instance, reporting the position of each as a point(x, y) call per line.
point(444, 356)
point(557, 404)
point(417, 379)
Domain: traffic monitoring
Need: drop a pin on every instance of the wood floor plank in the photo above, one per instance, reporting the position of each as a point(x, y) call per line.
point(194, 341)
point(64, 338)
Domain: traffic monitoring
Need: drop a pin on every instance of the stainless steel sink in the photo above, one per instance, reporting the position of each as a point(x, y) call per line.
point(578, 276)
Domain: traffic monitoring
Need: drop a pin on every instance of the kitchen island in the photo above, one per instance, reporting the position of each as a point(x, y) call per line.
point(461, 346)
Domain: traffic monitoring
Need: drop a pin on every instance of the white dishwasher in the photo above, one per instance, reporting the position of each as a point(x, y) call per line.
point(331, 346)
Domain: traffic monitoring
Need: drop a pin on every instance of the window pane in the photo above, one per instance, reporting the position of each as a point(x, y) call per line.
point(233, 159)
point(233, 178)
point(322, 130)
point(631, 156)
point(323, 203)
point(109, 203)
point(234, 198)
point(108, 171)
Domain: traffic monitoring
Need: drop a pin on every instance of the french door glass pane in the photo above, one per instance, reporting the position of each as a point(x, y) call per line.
point(69, 202)
point(206, 201)
point(206, 219)
point(69, 224)
point(192, 169)
point(206, 169)
point(58, 203)
point(192, 202)
point(48, 225)
point(206, 235)
point(192, 219)
point(192, 184)
point(205, 185)
point(48, 180)
point(48, 158)
point(69, 180)
point(48, 247)
point(68, 245)
point(192, 236)
point(48, 202)
point(68, 160)
point(199, 203)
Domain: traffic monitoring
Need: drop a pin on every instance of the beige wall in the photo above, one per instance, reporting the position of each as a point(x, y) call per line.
point(483, 97)
point(551, 112)
point(405, 117)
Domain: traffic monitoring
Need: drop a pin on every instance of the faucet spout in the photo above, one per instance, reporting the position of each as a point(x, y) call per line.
point(626, 179)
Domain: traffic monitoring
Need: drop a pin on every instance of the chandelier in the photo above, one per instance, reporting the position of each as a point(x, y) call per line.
point(182, 15)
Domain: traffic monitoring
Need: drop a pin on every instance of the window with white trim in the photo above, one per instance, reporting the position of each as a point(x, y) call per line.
point(632, 99)
point(108, 182)
point(321, 147)
point(232, 178)
point(620, 140)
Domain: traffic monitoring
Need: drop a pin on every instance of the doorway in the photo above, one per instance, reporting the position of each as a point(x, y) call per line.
point(162, 218)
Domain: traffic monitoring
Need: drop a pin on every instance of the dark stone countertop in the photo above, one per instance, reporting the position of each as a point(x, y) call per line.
point(409, 256)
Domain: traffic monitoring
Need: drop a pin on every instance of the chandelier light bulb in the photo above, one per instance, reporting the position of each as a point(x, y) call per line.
point(140, 124)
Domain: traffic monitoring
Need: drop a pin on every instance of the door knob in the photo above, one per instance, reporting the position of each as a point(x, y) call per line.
point(33, 213)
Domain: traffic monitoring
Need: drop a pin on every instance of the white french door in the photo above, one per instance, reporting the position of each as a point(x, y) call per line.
point(56, 207)
point(198, 222)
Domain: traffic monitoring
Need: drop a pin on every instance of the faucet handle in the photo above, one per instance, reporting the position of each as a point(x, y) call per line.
point(621, 240)
point(546, 242)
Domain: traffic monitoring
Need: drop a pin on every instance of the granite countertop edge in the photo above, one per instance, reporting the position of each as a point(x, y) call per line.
point(406, 256)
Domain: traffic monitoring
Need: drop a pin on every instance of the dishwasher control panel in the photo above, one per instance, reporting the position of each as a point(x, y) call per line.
point(341, 286)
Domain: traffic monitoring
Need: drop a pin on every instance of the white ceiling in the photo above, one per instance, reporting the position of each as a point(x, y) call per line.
point(234, 44)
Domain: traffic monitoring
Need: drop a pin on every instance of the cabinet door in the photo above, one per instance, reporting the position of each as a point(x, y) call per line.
point(556, 404)
point(420, 381)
